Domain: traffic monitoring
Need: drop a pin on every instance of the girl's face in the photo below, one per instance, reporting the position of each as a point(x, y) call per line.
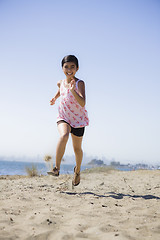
point(69, 69)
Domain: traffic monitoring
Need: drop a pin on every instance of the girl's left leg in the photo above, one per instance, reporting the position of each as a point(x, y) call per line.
point(77, 146)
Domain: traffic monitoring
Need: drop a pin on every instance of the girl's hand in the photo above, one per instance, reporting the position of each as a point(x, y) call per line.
point(72, 85)
point(52, 102)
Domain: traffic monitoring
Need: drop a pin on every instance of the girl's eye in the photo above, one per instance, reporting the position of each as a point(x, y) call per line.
point(73, 66)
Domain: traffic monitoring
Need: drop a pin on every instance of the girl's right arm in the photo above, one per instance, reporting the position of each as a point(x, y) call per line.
point(57, 95)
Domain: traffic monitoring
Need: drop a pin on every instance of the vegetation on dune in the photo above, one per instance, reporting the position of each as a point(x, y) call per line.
point(47, 158)
point(32, 171)
point(99, 169)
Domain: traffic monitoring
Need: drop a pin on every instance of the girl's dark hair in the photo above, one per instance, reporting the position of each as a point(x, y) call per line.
point(70, 58)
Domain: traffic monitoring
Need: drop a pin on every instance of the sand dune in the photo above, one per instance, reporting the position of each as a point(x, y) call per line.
point(106, 205)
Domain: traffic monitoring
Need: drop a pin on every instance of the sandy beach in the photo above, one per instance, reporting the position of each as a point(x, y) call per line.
point(107, 204)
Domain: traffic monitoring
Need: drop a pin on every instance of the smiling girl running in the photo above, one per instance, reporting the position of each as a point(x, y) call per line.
point(72, 115)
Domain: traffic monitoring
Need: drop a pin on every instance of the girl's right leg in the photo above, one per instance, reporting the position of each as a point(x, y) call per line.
point(64, 130)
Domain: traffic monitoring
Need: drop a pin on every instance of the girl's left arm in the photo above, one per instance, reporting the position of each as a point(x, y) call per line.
point(80, 96)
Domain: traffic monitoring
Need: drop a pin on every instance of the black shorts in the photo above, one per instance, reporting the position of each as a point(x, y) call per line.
point(79, 132)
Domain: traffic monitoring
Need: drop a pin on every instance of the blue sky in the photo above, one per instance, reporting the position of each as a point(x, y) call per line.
point(118, 46)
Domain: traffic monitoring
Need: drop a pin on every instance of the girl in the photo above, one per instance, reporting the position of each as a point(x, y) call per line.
point(72, 115)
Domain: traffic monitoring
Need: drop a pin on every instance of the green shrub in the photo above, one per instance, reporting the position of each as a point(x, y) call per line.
point(103, 169)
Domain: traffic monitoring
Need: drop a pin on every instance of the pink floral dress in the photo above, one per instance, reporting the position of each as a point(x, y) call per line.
point(70, 110)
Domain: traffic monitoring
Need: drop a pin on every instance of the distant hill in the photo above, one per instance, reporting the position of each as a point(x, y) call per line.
point(96, 162)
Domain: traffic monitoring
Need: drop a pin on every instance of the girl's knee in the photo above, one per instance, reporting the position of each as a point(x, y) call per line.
point(64, 137)
point(78, 150)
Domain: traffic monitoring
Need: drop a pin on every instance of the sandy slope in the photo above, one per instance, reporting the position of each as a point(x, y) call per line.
point(106, 205)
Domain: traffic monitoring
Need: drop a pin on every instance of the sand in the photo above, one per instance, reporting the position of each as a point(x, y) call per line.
point(106, 205)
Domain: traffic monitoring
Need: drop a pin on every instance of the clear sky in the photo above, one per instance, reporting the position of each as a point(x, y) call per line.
point(118, 46)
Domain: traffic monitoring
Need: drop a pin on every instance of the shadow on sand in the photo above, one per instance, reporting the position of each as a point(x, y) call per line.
point(114, 195)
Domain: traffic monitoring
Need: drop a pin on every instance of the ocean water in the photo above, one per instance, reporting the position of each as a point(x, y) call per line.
point(19, 168)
